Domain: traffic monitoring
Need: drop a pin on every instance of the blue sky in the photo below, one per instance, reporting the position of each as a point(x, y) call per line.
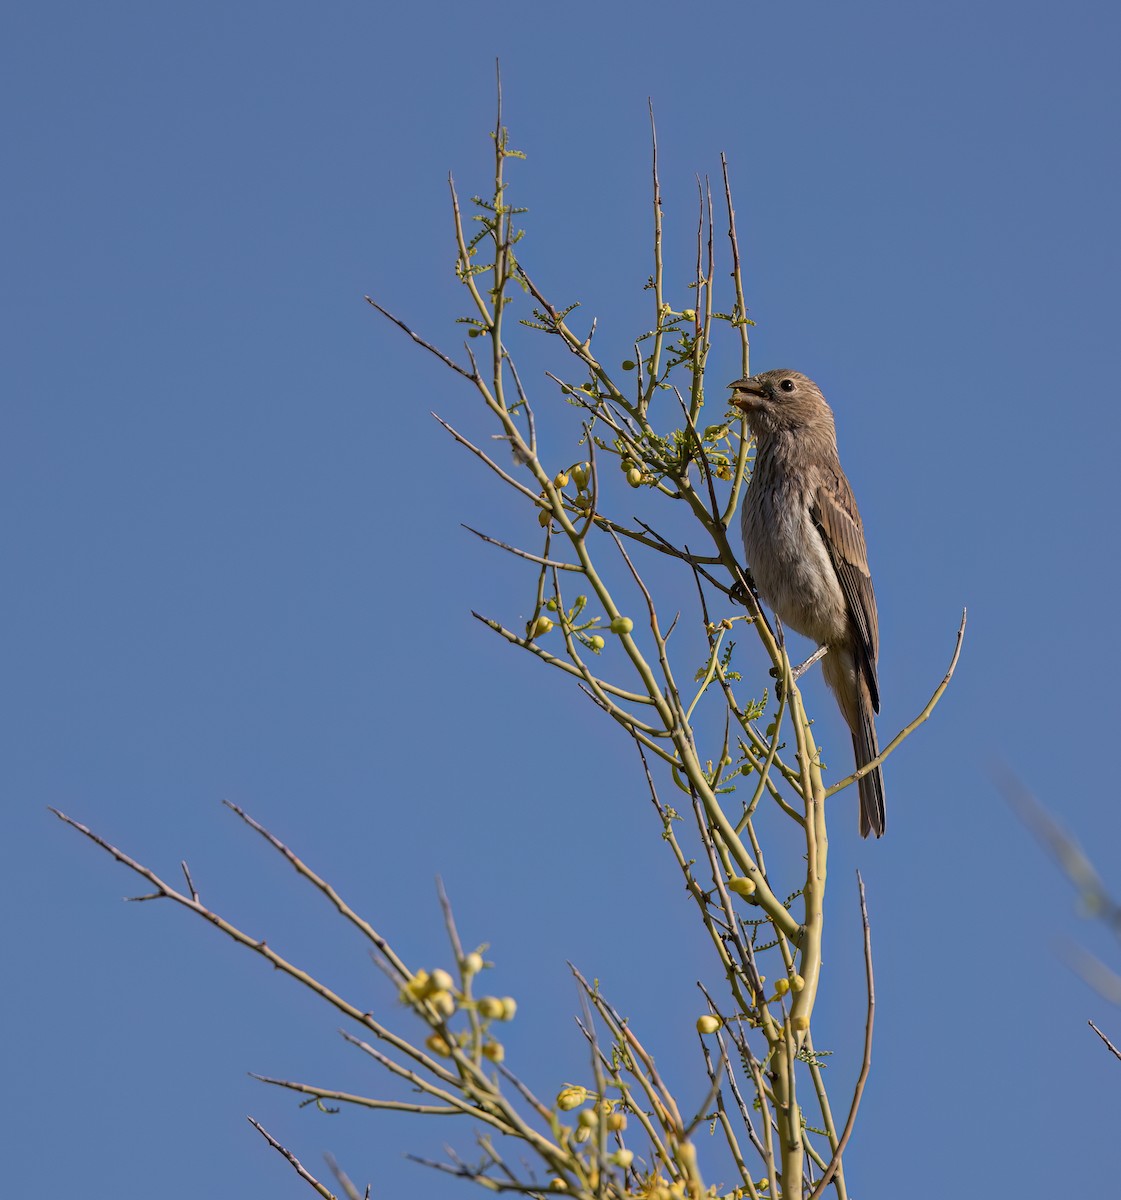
point(235, 567)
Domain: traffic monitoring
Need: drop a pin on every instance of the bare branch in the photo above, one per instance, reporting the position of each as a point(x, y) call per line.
point(260, 947)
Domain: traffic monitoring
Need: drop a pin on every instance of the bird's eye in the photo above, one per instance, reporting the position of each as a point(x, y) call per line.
point(787, 385)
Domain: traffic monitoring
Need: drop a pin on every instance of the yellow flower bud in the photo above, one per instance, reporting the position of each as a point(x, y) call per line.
point(438, 1045)
point(688, 313)
point(782, 986)
point(540, 627)
point(621, 625)
point(443, 1002)
point(491, 1007)
point(741, 885)
point(558, 1185)
point(473, 963)
point(597, 642)
point(797, 983)
point(418, 987)
point(634, 476)
point(571, 1097)
point(544, 517)
point(495, 1051)
point(708, 1023)
point(586, 1118)
point(580, 475)
point(441, 981)
point(623, 1158)
point(509, 1008)
point(560, 480)
point(617, 1121)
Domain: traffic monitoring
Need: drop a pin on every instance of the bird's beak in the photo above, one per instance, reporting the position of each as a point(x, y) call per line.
point(746, 394)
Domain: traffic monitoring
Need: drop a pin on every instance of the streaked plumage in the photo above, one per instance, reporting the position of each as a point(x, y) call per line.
point(805, 546)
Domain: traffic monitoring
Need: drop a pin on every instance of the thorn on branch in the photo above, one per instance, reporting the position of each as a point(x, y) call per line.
point(190, 882)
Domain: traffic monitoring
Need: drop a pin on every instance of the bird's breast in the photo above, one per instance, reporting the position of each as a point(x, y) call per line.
point(787, 557)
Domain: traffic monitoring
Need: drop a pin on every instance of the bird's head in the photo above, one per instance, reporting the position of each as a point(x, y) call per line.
point(780, 400)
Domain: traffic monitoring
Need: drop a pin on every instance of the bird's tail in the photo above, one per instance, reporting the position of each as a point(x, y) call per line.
point(873, 816)
point(845, 677)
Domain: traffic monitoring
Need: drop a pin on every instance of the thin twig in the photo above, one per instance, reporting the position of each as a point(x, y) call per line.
point(318, 881)
point(421, 342)
point(306, 1089)
point(523, 400)
point(907, 730)
point(1070, 856)
point(503, 475)
point(297, 1166)
point(449, 920)
point(1104, 981)
point(1113, 1049)
point(659, 316)
point(349, 1190)
point(536, 558)
point(554, 661)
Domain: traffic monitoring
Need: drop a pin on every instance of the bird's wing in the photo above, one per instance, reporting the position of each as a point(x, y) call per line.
point(835, 514)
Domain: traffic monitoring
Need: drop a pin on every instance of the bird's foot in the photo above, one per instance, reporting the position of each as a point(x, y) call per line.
point(741, 593)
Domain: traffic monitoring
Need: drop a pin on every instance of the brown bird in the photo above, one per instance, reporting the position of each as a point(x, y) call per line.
point(805, 545)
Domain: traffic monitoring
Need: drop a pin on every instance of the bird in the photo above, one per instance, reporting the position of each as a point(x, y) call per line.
point(804, 541)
